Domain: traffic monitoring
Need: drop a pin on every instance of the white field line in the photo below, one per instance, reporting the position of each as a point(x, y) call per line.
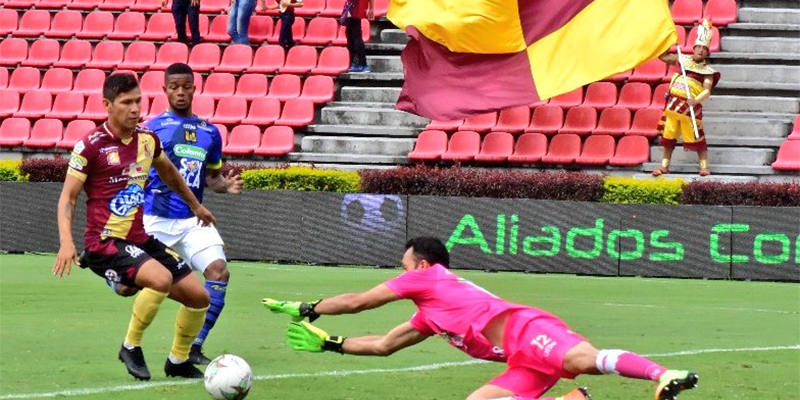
point(428, 367)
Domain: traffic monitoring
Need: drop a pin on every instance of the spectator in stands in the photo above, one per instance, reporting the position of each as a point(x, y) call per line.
point(180, 10)
point(677, 119)
point(239, 19)
point(286, 37)
point(352, 14)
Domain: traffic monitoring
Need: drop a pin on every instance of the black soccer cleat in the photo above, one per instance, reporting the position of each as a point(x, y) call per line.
point(134, 362)
point(197, 357)
point(673, 382)
point(183, 370)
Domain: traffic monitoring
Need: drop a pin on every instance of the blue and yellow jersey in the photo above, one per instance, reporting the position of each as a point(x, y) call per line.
point(193, 145)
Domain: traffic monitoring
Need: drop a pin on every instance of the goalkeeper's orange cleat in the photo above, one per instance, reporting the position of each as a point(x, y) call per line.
point(577, 394)
point(673, 382)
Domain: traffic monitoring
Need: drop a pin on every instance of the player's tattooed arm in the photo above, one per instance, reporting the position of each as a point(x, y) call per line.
point(231, 183)
point(67, 254)
point(172, 178)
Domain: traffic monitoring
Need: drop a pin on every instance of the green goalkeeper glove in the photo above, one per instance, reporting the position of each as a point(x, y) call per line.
point(303, 336)
point(296, 309)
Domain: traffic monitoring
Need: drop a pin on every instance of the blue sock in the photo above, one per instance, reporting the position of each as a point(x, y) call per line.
point(216, 291)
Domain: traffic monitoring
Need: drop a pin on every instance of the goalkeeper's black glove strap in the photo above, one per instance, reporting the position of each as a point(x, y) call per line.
point(307, 310)
point(334, 343)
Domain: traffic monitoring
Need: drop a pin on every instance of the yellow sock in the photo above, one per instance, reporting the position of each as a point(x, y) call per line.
point(187, 325)
point(145, 308)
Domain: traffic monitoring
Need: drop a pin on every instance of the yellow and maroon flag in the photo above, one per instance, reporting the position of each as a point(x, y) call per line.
point(467, 57)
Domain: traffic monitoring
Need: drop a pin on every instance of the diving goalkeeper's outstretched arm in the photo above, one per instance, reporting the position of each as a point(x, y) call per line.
point(348, 303)
point(302, 336)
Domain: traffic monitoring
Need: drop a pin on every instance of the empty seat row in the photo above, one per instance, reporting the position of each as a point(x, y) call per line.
point(550, 119)
point(530, 148)
point(600, 95)
point(720, 12)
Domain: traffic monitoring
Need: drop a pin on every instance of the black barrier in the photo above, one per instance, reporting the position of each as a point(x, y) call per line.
point(761, 243)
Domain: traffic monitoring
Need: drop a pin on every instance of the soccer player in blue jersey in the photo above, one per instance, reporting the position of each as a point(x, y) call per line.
point(194, 145)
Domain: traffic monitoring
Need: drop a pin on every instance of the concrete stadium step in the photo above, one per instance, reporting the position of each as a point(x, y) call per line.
point(748, 44)
point(762, 30)
point(787, 105)
point(770, 74)
point(370, 116)
point(395, 36)
point(385, 64)
point(364, 130)
point(384, 48)
point(696, 177)
point(345, 167)
point(770, 15)
point(370, 94)
point(360, 104)
point(759, 87)
point(347, 158)
point(357, 145)
point(734, 141)
point(716, 169)
point(722, 124)
point(395, 77)
point(739, 58)
point(739, 156)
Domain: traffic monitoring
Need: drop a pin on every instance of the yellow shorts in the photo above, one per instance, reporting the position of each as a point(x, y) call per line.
point(681, 126)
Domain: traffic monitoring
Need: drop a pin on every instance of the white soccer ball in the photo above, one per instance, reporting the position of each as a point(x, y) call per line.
point(228, 377)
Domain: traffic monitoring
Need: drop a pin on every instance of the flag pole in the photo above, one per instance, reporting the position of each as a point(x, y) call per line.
point(688, 94)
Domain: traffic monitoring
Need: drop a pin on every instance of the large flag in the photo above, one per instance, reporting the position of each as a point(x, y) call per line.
point(466, 57)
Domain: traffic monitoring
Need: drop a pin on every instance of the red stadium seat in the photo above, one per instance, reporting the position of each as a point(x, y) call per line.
point(251, 86)
point(33, 23)
point(788, 158)
point(635, 95)
point(26, 4)
point(631, 150)
point(204, 57)
point(3, 77)
point(671, 71)
point(152, 83)
point(381, 8)
point(65, 24)
point(45, 134)
point(9, 102)
point(263, 112)
point(614, 121)
point(67, 106)
point(43, 53)
point(659, 97)
point(243, 140)
point(57, 80)
point(479, 123)
point(622, 76)
point(219, 85)
point(496, 148)
point(569, 99)
point(89, 81)
point(75, 54)
point(681, 38)
point(530, 148)
point(35, 104)
point(202, 27)
point(651, 72)
point(13, 51)
point(300, 60)
point(447, 126)
point(158, 105)
point(277, 141)
point(52, 4)
point(203, 106)
point(318, 89)
point(214, 6)
point(96, 25)
point(463, 147)
point(332, 61)
point(687, 12)
point(14, 131)
point(430, 146)
point(341, 35)
point(333, 8)
point(546, 119)
point(9, 21)
point(514, 119)
point(321, 31)
point(721, 12)
point(223, 134)
point(600, 95)
point(564, 149)
point(260, 29)
point(713, 47)
point(296, 113)
point(795, 135)
point(597, 150)
point(144, 107)
point(25, 79)
point(310, 8)
point(198, 83)
point(146, 5)
point(237, 58)
point(83, 4)
point(95, 110)
point(218, 30)
point(645, 123)
point(267, 59)
point(109, 54)
point(126, 71)
point(298, 31)
point(159, 27)
point(75, 131)
point(284, 87)
point(580, 121)
point(116, 5)
point(170, 53)
point(129, 26)
point(230, 111)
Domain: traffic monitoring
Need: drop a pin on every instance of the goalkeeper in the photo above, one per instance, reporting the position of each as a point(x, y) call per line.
point(538, 347)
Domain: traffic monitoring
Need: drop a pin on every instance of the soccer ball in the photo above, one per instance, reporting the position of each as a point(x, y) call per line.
point(228, 377)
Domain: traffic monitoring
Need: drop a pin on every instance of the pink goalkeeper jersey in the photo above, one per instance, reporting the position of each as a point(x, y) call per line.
point(453, 308)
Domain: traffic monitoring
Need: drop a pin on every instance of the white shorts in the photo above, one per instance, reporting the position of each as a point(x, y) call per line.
point(198, 245)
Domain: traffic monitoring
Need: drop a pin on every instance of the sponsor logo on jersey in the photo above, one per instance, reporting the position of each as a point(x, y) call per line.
point(127, 200)
point(77, 162)
point(134, 251)
point(79, 146)
point(112, 158)
point(111, 275)
point(108, 149)
point(189, 151)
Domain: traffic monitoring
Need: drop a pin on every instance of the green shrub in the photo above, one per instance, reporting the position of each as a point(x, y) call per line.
point(302, 178)
point(637, 191)
point(9, 171)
